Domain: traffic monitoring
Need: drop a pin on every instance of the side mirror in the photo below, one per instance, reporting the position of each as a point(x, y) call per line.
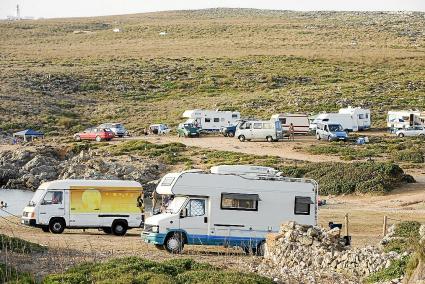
point(183, 213)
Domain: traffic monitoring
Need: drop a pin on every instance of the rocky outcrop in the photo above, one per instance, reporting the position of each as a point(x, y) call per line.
point(316, 255)
point(29, 168)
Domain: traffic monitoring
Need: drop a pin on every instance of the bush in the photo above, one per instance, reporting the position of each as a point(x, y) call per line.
point(410, 155)
point(407, 229)
point(19, 245)
point(10, 275)
point(395, 270)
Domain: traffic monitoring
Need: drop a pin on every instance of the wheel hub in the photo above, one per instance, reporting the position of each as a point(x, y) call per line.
point(173, 244)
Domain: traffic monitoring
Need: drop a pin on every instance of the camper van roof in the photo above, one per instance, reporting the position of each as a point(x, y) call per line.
point(67, 183)
point(289, 115)
point(243, 170)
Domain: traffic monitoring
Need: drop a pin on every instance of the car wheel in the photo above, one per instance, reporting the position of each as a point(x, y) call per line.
point(231, 134)
point(107, 230)
point(174, 243)
point(226, 134)
point(119, 228)
point(329, 139)
point(269, 139)
point(45, 229)
point(57, 226)
point(98, 138)
point(261, 249)
point(241, 138)
point(318, 137)
point(77, 138)
point(421, 135)
point(401, 135)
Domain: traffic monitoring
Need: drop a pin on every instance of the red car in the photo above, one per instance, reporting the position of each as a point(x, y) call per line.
point(98, 134)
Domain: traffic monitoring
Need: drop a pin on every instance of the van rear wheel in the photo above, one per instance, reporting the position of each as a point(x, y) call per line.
point(119, 228)
point(241, 138)
point(174, 243)
point(269, 139)
point(231, 134)
point(57, 226)
point(318, 137)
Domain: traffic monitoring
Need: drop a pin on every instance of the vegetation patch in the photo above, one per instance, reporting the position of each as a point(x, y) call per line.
point(19, 245)
point(10, 275)
point(139, 270)
point(395, 270)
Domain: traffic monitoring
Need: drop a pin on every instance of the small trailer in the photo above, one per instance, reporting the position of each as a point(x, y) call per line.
point(229, 206)
point(360, 116)
point(299, 121)
point(110, 205)
point(404, 118)
point(211, 120)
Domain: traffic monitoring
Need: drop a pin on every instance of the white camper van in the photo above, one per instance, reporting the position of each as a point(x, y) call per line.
point(270, 130)
point(211, 120)
point(229, 206)
point(360, 116)
point(299, 121)
point(345, 120)
point(405, 118)
point(111, 205)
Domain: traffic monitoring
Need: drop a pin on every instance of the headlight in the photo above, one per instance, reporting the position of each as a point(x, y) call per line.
point(155, 229)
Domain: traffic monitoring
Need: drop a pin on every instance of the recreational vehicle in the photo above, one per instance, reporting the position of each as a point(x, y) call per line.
point(360, 116)
point(299, 121)
point(211, 120)
point(345, 120)
point(270, 130)
point(229, 206)
point(111, 205)
point(404, 118)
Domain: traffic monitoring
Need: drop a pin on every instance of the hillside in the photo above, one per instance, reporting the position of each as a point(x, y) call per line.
point(61, 75)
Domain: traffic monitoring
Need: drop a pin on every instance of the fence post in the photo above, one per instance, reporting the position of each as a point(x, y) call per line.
point(384, 227)
point(346, 224)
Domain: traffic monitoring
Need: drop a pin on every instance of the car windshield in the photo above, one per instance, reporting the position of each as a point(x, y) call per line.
point(36, 197)
point(175, 205)
point(118, 125)
point(335, 127)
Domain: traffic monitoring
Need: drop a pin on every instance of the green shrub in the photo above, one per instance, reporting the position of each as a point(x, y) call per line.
point(395, 270)
point(407, 229)
point(19, 245)
point(397, 245)
point(410, 155)
point(10, 275)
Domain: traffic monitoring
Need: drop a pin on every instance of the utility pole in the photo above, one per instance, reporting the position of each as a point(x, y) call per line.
point(18, 13)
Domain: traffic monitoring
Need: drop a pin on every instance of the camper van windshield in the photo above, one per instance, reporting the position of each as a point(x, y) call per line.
point(37, 197)
point(176, 204)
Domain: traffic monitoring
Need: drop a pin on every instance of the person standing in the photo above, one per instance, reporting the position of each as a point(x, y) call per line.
point(291, 131)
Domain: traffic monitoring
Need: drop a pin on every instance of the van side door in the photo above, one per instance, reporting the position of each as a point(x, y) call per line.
point(194, 220)
point(52, 205)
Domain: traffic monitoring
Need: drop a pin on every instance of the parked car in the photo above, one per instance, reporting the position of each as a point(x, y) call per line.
point(98, 134)
point(270, 130)
point(411, 131)
point(331, 132)
point(118, 129)
point(228, 131)
point(187, 130)
point(159, 129)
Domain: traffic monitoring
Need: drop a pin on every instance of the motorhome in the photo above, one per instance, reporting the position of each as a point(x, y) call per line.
point(229, 206)
point(345, 120)
point(270, 130)
point(211, 120)
point(299, 121)
point(110, 205)
point(361, 116)
point(405, 118)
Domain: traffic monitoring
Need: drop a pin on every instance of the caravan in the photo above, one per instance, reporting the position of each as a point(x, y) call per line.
point(229, 206)
point(351, 119)
point(211, 120)
point(360, 116)
point(299, 121)
point(405, 118)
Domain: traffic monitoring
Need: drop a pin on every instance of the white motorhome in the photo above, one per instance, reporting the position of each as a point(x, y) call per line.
point(211, 120)
point(405, 118)
point(361, 116)
point(270, 130)
point(229, 206)
point(299, 121)
point(111, 205)
point(345, 120)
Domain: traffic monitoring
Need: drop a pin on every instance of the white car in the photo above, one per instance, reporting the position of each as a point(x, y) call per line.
point(411, 131)
point(159, 129)
point(117, 128)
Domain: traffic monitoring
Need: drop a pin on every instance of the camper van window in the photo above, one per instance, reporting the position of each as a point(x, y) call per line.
point(234, 115)
point(167, 181)
point(302, 205)
point(195, 207)
point(236, 201)
point(216, 119)
point(283, 120)
point(53, 197)
point(258, 125)
point(207, 119)
point(361, 116)
point(267, 126)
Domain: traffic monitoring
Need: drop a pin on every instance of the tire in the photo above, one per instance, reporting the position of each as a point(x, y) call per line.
point(261, 248)
point(45, 229)
point(400, 135)
point(98, 139)
point(241, 138)
point(107, 230)
point(421, 135)
point(318, 137)
point(57, 226)
point(160, 247)
point(269, 139)
point(119, 228)
point(226, 134)
point(231, 134)
point(329, 139)
point(77, 138)
point(174, 243)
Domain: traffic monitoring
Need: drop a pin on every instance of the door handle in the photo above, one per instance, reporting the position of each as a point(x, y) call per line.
point(205, 219)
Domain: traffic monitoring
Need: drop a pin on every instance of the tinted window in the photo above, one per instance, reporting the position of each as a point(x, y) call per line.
point(283, 120)
point(216, 119)
point(207, 119)
point(234, 115)
point(302, 205)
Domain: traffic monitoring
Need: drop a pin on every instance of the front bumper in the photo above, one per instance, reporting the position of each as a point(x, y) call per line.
point(336, 138)
point(153, 238)
point(29, 222)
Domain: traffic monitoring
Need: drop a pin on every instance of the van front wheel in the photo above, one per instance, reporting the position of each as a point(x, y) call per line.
point(57, 226)
point(119, 228)
point(174, 243)
point(242, 138)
